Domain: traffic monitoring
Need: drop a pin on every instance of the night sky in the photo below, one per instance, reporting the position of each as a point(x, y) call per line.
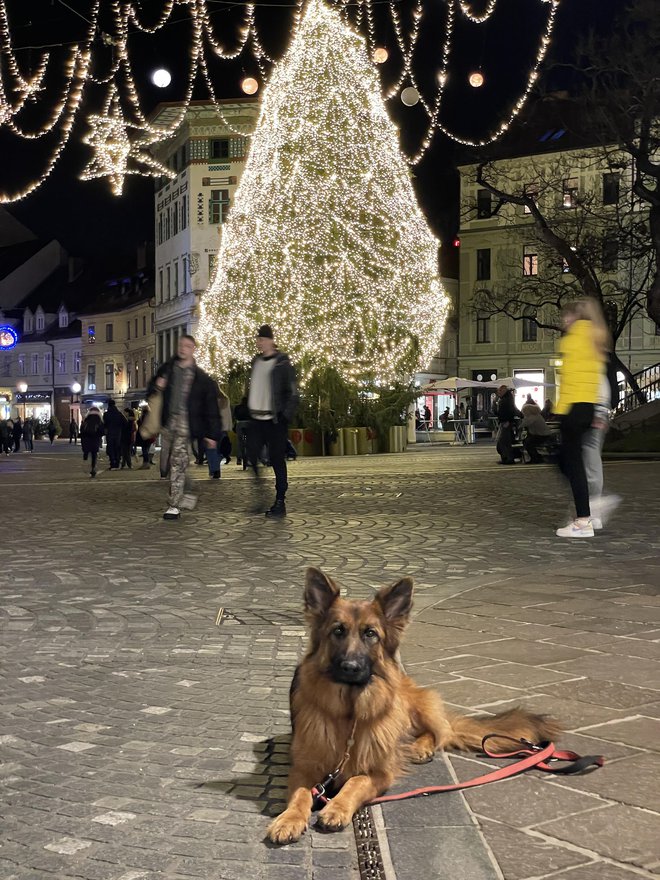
point(89, 221)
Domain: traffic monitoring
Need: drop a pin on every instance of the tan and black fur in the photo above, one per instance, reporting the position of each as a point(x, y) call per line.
point(351, 674)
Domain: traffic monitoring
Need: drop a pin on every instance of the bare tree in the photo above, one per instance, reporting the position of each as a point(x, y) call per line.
point(582, 246)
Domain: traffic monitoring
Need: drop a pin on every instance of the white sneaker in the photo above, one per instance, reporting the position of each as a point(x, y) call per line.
point(188, 502)
point(171, 513)
point(596, 522)
point(575, 530)
point(603, 507)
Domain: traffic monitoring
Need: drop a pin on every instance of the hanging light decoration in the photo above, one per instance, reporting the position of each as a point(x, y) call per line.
point(476, 79)
point(410, 96)
point(380, 55)
point(250, 85)
point(161, 78)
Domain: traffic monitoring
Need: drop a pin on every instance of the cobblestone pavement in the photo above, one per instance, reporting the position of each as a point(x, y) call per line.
point(143, 738)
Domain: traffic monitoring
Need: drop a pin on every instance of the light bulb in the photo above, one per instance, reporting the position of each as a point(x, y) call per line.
point(161, 78)
point(410, 96)
point(250, 86)
point(476, 79)
point(380, 55)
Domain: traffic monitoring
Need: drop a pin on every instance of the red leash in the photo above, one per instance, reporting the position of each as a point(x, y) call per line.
point(530, 756)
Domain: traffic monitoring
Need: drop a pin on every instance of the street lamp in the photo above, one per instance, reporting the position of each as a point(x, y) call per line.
point(22, 388)
point(76, 388)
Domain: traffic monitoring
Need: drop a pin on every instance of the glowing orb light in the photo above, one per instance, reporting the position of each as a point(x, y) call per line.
point(380, 55)
point(476, 79)
point(250, 86)
point(410, 96)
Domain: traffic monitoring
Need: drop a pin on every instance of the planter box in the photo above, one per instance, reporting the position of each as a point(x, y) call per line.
point(350, 441)
point(305, 441)
point(367, 441)
point(336, 447)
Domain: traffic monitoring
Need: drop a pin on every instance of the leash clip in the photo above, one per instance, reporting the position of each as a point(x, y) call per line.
point(535, 747)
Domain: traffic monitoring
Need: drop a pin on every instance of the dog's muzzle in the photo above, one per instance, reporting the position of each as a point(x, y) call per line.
point(351, 670)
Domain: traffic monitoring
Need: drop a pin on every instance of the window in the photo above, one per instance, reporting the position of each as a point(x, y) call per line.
point(657, 329)
point(530, 263)
point(64, 318)
point(483, 327)
point(169, 283)
point(160, 284)
point(184, 211)
point(570, 195)
point(219, 148)
point(484, 204)
point(176, 278)
point(532, 191)
point(144, 371)
point(76, 362)
point(610, 253)
point(109, 377)
point(6, 369)
point(184, 274)
point(27, 323)
point(160, 228)
point(175, 218)
point(34, 365)
point(153, 322)
point(129, 374)
point(40, 322)
point(48, 363)
point(61, 362)
point(135, 327)
point(611, 313)
point(137, 375)
point(21, 365)
point(108, 333)
point(128, 329)
point(530, 329)
point(91, 377)
point(144, 325)
point(218, 205)
point(167, 224)
point(483, 264)
point(611, 185)
point(213, 262)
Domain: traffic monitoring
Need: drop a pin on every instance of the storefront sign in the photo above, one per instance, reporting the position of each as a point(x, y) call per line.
point(8, 337)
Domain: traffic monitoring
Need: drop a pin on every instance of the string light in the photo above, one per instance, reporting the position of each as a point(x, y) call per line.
point(326, 240)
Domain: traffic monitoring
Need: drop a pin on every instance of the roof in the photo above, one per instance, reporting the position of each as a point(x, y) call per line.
point(13, 256)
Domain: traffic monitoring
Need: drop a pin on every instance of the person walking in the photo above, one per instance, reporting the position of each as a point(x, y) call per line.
point(189, 409)
point(507, 413)
point(114, 423)
point(91, 432)
point(582, 350)
point(6, 437)
point(53, 430)
point(128, 432)
point(272, 401)
point(243, 422)
point(145, 442)
point(73, 432)
point(17, 432)
point(28, 435)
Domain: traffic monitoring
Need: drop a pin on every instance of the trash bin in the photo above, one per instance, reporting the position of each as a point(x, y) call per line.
point(471, 434)
point(311, 442)
point(336, 446)
point(397, 438)
point(350, 441)
point(296, 438)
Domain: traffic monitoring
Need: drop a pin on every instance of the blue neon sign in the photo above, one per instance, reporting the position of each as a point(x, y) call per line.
point(8, 337)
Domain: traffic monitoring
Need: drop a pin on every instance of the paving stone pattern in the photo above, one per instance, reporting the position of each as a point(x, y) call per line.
point(144, 735)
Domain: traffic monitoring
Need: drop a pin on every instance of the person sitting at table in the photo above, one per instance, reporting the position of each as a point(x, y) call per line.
point(444, 418)
point(537, 431)
point(461, 410)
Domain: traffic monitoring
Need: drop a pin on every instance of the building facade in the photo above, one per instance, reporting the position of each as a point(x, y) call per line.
point(207, 156)
point(588, 194)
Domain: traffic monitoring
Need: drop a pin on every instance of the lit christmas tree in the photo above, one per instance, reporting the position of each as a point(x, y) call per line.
point(325, 241)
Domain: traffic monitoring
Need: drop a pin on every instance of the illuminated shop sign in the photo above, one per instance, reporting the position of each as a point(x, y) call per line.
point(8, 337)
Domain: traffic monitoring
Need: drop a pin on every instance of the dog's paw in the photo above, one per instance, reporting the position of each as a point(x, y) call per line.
point(422, 749)
point(333, 818)
point(287, 828)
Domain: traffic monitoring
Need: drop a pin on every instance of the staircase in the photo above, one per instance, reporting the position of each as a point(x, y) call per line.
point(631, 410)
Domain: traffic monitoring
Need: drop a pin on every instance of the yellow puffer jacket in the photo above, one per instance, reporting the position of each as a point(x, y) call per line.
point(582, 367)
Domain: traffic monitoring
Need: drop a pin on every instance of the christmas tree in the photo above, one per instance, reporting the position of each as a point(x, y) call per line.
point(325, 241)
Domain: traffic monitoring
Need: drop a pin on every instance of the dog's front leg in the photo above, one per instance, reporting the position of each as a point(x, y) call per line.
point(357, 792)
point(292, 823)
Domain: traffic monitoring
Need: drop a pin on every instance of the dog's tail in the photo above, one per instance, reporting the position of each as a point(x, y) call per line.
point(467, 732)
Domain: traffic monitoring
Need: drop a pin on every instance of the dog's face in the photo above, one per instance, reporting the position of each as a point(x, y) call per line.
point(354, 639)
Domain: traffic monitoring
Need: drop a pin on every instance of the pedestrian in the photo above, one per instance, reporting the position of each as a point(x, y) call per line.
point(5, 434)
point(28, 435)
point(601, 506)
point(145, 442)
point(444, 418)
point(427, 415)
point(547, 412)
point(189, 409)
point(18, 433)
point(243, 422)
point(537, 431)
point(91, 432)
point(582, 349)
point(73, 432)
point(272, 401)
point(128, 431)
point(507, 413)
point(114, 423)
point(53, 430)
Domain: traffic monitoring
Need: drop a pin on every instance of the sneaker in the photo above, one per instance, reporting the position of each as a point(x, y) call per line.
point(188, 502)
point(215, 475)
point(278, 510)
point(596, 522)
point(603, 507)
point(575, 530)
point(93, 474)
point(171, 513)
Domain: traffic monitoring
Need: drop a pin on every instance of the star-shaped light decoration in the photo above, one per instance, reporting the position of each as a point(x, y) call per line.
point(115, 154)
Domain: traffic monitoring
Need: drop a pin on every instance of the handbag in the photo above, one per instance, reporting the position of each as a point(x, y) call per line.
point(151, 425)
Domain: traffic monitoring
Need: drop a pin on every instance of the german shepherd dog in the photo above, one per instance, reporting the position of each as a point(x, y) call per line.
point(349, 694)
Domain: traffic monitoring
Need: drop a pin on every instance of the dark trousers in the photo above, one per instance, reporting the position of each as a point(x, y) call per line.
point(531, 444)
point(114, 451)
point(273, 435)
point(574, 426)
point(145, 446)
point(505, 443)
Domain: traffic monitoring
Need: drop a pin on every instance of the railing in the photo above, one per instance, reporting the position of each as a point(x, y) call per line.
point(648, 381)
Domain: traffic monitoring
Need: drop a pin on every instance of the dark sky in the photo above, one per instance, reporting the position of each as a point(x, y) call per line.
point(90, 221)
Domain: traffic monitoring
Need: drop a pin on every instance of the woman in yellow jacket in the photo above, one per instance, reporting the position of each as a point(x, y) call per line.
point(582, 349)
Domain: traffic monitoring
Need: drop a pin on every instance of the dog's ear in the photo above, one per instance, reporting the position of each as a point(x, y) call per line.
point(320, 591)
point(396, 601)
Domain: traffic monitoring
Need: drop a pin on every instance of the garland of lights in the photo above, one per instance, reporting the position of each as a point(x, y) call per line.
point(326, 241)
point(18, 88)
